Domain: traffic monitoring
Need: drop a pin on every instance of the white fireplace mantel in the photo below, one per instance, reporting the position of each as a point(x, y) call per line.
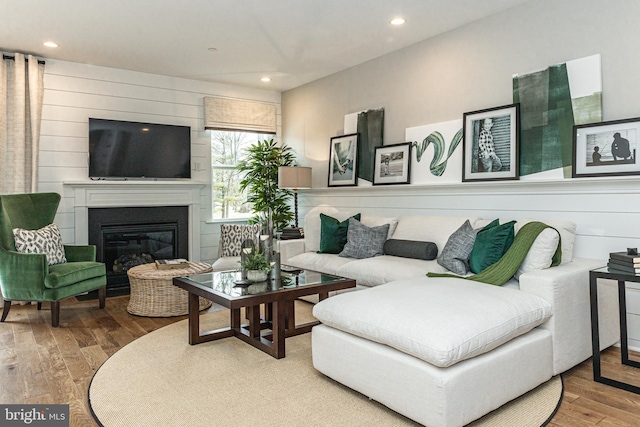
point(103, 194)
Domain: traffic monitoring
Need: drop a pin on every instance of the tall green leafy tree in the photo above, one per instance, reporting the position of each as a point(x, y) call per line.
point(260, 169)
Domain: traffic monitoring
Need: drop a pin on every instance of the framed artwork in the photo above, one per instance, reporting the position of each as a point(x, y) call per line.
point(491, 144)
point(392, 164)
point(606, 148)
point(343, 161)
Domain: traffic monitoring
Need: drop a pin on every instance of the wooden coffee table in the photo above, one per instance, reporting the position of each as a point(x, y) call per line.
point(267, 332)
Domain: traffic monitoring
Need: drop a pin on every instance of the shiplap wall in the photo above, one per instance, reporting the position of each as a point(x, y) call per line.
point(74, 92)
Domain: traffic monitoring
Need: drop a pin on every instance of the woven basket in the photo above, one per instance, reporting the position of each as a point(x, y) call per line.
point(154, 295)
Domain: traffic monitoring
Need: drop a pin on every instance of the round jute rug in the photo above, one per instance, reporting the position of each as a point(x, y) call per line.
point(160, 380)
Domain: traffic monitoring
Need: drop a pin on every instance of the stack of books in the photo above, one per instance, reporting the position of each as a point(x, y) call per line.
point(624, 262)
point(171, 264)
point(292, 233)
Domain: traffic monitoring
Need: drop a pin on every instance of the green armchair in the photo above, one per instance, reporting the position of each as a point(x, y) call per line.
point(28, 276)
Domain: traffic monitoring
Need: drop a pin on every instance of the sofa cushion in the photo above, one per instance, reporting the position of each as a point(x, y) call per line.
point(491, 243)
point(427, 228)
point(376, 221)
point(312, 224)
point(226, 263)
point(456, 252)
point(439, 320)
point(567, 230)
point(411, 249)
point(326, 263)
point(386, 268)
point(46, 240)
point(540, 256)
point(70, 273)
point(363, 241)
point(333, 234)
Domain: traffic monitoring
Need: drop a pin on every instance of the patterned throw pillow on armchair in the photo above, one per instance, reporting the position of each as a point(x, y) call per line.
point(232, 236)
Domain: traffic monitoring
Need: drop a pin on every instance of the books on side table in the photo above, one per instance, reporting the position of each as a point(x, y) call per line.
point(624, 262)
point(292, 233)
point(170, 264)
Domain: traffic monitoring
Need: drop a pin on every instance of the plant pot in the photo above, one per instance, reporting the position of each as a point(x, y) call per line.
point(256, 275)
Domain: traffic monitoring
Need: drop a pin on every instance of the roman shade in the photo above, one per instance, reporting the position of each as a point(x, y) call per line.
point(231, 114)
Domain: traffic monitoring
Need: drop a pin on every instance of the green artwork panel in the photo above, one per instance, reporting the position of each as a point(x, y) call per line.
point(370, 130)
point(546, 119)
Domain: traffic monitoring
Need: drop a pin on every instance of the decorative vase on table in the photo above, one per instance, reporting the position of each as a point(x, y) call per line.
point(257, 275)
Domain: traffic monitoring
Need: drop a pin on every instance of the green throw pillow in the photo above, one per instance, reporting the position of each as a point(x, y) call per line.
point(491, 243)
point(333, 234)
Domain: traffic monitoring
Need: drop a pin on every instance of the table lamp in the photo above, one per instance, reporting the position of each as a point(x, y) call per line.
point(294, 178)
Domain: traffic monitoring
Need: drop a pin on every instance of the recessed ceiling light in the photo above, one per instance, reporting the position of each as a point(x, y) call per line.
point(265, 79)
point(50, 44)
point(397, 21)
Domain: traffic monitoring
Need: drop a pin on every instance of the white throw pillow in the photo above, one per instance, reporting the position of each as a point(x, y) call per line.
point(567, 230)
point(46, 240)
point(540, 255)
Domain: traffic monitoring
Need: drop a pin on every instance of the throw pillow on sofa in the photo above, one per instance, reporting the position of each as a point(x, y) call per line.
point(540, 256)
point(456, 252)
point(490, 245)
point(333, 234)
point(363, 241)
point(411, 249)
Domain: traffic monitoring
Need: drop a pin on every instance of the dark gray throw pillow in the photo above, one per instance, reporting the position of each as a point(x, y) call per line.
point(411, 249)
point(363, 241)
point(457, 251)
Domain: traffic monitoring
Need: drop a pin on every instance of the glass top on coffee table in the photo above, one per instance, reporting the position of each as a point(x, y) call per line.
point(224, 282)
point(277, 298)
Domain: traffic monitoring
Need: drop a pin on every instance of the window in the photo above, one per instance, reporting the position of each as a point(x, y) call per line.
point(227, 149)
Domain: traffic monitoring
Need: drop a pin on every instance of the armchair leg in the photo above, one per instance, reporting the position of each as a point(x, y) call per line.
point(5, 310)
point(55, 313)
point(102, 294)
point(39, 305)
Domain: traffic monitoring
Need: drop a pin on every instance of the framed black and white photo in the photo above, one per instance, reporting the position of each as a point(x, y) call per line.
point(392, 164)
point(343, 161)
point(491, 144)
point(606, 148)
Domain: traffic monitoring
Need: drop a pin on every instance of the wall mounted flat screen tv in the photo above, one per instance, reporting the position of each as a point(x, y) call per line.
point(120, 150)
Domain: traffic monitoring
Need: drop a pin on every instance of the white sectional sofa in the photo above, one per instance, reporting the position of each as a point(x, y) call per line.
point(445, 351)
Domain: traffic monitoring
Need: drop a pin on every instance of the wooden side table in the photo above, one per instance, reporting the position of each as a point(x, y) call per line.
point(153, 293)
point(621, 278)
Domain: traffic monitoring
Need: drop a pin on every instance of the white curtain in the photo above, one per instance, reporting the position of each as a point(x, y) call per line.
point(21, 93)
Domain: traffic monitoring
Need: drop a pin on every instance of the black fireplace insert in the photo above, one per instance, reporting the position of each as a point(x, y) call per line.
point(131, 236)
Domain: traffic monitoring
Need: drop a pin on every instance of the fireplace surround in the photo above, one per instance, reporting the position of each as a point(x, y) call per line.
point(120, 194)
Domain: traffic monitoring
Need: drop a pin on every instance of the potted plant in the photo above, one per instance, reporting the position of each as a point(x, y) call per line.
point(271, 205)
point(256, 265)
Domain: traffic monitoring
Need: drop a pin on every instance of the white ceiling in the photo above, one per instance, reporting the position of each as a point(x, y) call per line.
point(291, 41)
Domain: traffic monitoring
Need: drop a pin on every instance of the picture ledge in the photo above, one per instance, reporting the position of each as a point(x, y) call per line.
point(620, 184)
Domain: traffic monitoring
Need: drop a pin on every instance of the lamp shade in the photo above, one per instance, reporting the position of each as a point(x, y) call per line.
point(294, 177)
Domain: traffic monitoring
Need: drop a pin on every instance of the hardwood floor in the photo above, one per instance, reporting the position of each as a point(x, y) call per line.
point(40, 364)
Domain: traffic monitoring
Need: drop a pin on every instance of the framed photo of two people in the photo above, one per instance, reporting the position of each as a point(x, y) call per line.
point(606, 148)
point(491, 143)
